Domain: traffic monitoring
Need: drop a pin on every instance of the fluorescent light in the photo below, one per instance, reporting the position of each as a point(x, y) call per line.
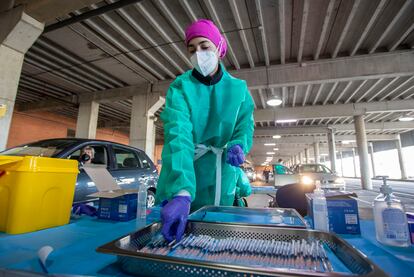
point(276, 149)
point(270, 153)
point(347, 141)
point(277, 136)
point(270, 144)
point(406, 118)
point(274, 101)
point(324, 154)
point(286, 121)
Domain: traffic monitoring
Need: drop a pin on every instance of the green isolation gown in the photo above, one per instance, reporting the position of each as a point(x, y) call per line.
point(217, 115)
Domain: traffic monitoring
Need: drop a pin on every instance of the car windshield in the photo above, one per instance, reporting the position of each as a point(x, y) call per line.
point(314, 168)
point(44, 148)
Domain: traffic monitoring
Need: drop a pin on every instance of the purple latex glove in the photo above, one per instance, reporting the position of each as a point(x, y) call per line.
point(235, 155)
point(79, 209)
point(174, 217)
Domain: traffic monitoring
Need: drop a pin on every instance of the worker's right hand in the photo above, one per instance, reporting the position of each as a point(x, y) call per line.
point(174, 217)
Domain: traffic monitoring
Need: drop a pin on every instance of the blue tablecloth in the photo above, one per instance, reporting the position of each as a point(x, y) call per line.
point(76, 242)
point(264, 190)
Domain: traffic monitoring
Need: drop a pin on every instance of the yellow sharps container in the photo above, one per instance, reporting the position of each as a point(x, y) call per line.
point(35, 192)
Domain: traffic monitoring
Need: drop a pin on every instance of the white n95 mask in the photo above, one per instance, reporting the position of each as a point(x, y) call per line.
point(204, 62)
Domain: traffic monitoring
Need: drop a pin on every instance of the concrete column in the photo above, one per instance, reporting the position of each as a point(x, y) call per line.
point(316, 152)
point(332, 149)
point(361, 139)
point(307, 155)
point(300, 157)
point(87, 120)
point(354, 162)
point(371, 151)
point(342, 163)
point(142, 128)
point(18, 32)
point(401, 158)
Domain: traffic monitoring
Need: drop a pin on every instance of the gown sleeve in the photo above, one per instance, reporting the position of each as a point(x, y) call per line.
point(177, 173)
point(244, 128)
point(243, 184)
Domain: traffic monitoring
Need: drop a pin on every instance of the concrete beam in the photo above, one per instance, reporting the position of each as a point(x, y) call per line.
point(307, 140)
point(375, 126)
point(332, 111)
point(362, 67)
point(48, 10)
point(106, 96)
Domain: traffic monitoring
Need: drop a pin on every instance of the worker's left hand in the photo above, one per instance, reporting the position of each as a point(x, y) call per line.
point(235, 155)
point(174, 217)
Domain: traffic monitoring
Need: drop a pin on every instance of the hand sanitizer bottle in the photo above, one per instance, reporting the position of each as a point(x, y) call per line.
point(142, 205)
point(390, 220)
point(319, 209)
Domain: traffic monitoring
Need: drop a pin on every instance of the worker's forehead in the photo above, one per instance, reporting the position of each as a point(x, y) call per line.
point(199, 40)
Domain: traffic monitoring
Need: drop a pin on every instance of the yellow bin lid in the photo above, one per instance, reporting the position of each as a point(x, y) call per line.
point(38, 164)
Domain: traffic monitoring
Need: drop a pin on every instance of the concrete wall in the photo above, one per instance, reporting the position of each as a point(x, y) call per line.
point(29, 127)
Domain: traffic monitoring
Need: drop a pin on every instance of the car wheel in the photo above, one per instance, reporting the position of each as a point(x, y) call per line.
point(150, 199)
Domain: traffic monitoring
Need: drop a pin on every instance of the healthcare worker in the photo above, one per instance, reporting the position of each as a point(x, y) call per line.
point(208, 129)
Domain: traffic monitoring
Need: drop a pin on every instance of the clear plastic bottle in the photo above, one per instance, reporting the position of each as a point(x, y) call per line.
point(390, 219)
point(319, 209)
point(142, 204)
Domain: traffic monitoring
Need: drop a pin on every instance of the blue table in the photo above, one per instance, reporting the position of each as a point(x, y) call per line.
point(76, 242)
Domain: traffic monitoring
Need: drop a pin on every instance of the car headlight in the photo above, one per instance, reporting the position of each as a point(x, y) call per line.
point(339, 180)
point(306, 180)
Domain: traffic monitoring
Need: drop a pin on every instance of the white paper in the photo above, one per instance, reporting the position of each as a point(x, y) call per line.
point(43, 253)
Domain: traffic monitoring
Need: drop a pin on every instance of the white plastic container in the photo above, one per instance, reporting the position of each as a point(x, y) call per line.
point(320, 209)
point(390, 219)
point(142, 204)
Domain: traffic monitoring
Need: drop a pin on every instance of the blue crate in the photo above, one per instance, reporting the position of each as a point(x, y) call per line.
point(121, 208)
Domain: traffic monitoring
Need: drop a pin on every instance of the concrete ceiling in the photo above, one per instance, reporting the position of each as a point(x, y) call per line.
point(325, 58)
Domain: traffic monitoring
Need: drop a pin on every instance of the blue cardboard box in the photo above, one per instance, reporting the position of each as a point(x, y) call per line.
point(114, 203)
point(342, 212)
point(118, 208)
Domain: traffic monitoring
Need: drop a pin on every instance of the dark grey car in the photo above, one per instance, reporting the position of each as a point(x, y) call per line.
point(128, 165)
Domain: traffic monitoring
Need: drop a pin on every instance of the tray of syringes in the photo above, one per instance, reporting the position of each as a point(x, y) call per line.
point(278, 217)
point(222, 249)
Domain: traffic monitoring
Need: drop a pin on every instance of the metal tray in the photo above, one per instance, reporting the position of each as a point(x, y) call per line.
point(278, 217)
point(141, 264)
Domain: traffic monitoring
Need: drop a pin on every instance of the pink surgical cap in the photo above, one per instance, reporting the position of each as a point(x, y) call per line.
point(206, 28)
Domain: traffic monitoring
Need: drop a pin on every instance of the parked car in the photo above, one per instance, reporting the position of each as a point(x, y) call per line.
point(307, 174)
point(128, 165)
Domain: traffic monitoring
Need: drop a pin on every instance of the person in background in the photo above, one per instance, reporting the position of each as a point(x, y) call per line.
point(208, 130)
point(280, 168)
point(266, 174)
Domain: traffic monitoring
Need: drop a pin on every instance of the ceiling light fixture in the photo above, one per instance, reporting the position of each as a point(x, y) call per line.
point(277, 136)
point(276, 149)
point(286, 121)
point(270, 144)
point(270, 153)
point(406, 118)
point(274, 101)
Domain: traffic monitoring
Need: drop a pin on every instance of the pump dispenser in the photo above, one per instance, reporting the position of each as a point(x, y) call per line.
point(390, 220)
point(320, 209)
